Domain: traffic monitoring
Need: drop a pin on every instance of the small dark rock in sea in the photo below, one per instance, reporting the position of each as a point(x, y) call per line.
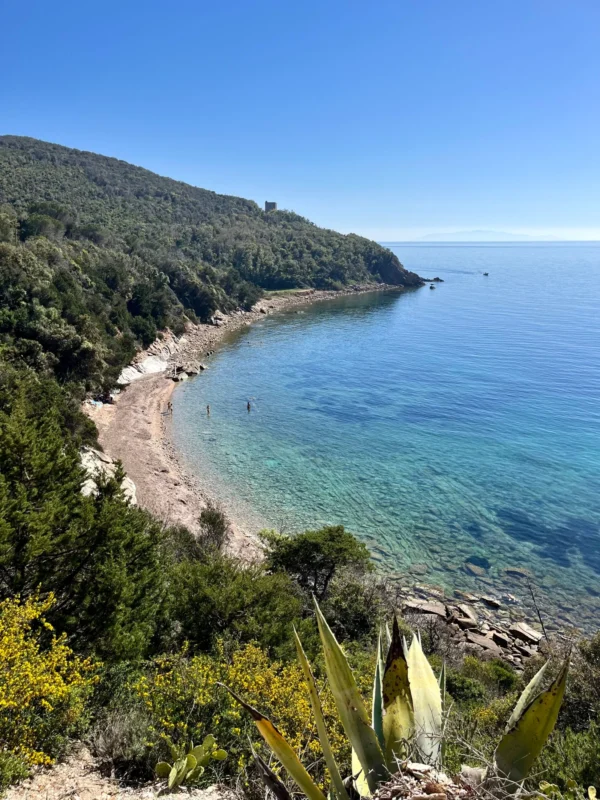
point(517, 572)
point(418, 569)
point(474, 569)
point(491, 602)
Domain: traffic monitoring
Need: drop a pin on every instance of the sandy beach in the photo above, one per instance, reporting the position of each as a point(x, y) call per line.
point(137, 430)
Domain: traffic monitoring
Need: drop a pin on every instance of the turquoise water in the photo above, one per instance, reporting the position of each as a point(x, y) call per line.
point(445, 427)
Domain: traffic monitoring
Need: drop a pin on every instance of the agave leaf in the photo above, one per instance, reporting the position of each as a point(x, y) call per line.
point(220, 754)
point(271, 781)
point(350, 706)
point(529, 692)
point(162, 769)
point(427, 704)
point(209, 742)
point(388, 634)
point(377, 711)
point(332, 766)
point(172, 777)
point(398, 720)
point(282, 750)
point(358, 775)
point(523, 743)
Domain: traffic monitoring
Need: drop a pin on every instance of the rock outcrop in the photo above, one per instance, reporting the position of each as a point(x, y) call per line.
point(96, 463)
point(153, 360)
point(482, 625)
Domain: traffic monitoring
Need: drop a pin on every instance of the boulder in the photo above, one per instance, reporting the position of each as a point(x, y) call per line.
point(524, 632)
point(525, 651)
point(517, 572)
point(501, 639)
point(431, 607)
point(470, 598)
point(490, 602)
point(474, 569)
point(466, 623)
point(486, 644)
point(468, 612)
point(97, 463)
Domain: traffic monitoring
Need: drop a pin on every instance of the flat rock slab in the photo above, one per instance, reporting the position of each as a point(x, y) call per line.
point(490, 602)
point(501, 639)
point(486, 644)
point(524, 632)
point(439, 609)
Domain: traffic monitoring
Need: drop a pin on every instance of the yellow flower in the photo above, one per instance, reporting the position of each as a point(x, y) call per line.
point(40, 689)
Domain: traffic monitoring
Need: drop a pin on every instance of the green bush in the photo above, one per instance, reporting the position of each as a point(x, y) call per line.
point(12, 769)
point(572, 755)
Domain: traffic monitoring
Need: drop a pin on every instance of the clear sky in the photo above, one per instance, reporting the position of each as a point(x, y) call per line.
point(391, 118)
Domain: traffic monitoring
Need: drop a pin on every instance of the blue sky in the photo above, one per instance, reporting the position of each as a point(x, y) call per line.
point(391, 119)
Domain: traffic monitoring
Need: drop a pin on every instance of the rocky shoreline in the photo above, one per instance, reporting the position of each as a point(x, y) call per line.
point(136, 429)
point(134, 425)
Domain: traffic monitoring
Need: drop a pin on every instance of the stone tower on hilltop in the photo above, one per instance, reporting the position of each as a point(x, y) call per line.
point(270, 206)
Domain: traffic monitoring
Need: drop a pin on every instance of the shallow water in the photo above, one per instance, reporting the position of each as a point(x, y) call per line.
point(442, 427)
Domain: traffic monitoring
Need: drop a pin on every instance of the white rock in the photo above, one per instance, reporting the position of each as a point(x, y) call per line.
point(95, 463)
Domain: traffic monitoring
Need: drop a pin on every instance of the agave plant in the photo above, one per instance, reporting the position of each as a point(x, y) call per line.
point(406, 719)
point(189, 765)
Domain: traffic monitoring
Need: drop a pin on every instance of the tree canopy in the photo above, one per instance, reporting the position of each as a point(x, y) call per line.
point(97, 256)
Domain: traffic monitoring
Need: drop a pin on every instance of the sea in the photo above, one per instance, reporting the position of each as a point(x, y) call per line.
point(455, 431)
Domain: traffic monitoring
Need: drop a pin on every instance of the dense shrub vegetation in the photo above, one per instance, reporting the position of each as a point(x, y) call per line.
point(97, 256)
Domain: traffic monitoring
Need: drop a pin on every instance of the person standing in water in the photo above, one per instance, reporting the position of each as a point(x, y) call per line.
point(248, 406)
point(208, 411)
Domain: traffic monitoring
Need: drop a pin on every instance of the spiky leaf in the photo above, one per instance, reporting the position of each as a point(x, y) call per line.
point(398, 720)
point(358, 774)
point(427, 704)
point(523, 743)
point(377, 710)
point(315, 702)
point(220, 754)
point(282, 750)
point(350, 706)
point(270, 780)
point(532, 689)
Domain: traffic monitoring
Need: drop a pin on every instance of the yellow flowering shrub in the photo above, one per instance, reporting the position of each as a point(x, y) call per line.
point(184, 702)
point(42, 689)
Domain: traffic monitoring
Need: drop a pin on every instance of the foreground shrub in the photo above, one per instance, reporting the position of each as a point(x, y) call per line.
point(43, 685)
point(184, 702)
point(572, 756)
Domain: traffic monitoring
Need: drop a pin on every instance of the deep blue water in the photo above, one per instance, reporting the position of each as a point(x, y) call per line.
point(442, 427)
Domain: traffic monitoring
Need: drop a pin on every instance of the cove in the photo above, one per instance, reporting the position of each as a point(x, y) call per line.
point(455, 431)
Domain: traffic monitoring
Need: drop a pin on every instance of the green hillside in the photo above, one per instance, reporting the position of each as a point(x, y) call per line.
point(96, 255)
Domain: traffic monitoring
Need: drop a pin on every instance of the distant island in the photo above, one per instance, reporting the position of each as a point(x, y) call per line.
point(484, 236)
